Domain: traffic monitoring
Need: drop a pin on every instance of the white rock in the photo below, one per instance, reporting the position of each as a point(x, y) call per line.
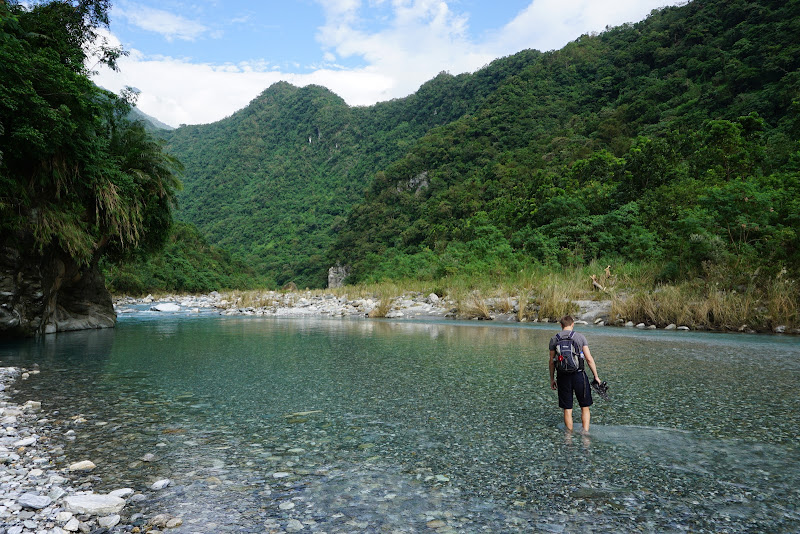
point(31, 500)
point(175, 522)
point(294, 526)
point(109, 521)
point(670, 326)
point(27, 442)
point(640, 325)
point(72, 525)
point(85, 465)
point(287, 505)
point(280, 474)
point(629, 324)
point(63, 517)
point(122, 493)
point(166, 307)
point(161, 484)
point(683, 328)
point(651, 327)
point(93, 504)
point(780, 329)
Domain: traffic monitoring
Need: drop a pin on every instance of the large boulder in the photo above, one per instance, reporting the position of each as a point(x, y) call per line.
point(93, 504)
point(43, 292)
point(337, 274)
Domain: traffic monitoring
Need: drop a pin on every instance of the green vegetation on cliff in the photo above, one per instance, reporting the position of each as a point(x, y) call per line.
point(274, 182)
point(186, 264)
point(674, 139)
point(77, 179)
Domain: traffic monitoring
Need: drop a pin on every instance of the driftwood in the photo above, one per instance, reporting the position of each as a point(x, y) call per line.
point(596, 283)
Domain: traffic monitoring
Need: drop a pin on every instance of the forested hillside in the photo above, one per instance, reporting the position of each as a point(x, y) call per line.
point(274, 181)
point(674, 139)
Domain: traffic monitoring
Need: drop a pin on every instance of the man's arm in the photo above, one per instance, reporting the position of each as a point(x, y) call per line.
point(590, 361)
point(552, 370)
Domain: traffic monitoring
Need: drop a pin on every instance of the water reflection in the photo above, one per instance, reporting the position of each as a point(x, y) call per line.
point(412, 425)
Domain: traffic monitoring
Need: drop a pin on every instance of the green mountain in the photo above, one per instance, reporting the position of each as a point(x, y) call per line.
point(150, 123)
point(274, 182)
point(673, 139)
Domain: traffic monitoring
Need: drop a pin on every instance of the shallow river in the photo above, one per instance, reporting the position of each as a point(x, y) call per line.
point(378, 426)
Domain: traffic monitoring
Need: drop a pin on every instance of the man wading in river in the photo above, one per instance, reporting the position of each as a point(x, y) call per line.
point(568, 351)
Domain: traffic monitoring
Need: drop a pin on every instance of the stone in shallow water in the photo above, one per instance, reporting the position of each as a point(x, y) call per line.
point(161, 484)
point(85, 465)
point(294, 526)
point(109, 521)
point(175, 522)
point(93, 504)
point(122, 493)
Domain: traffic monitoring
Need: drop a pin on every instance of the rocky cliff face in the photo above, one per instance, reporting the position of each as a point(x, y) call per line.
point(43, 293)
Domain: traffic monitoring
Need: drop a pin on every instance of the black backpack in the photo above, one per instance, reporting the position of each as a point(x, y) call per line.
point(569, 356)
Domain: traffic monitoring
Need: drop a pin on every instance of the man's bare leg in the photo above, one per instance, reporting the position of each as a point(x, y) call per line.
point(585, 418)
point(568, 419)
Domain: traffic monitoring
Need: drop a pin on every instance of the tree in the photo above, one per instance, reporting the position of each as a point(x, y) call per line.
point(74, 173)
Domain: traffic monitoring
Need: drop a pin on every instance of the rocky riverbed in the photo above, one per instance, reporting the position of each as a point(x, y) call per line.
point(298, 304)
point(406, 306)
point(41, 493)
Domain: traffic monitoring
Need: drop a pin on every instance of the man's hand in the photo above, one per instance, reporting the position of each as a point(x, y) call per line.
point(553, 384)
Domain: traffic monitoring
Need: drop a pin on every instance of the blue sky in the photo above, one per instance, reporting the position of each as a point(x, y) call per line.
point(197, 61)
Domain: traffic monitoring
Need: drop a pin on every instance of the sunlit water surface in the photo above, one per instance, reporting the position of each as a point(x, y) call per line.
point(373, 426)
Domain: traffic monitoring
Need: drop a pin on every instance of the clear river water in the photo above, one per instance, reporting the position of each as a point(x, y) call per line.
point(353, 425)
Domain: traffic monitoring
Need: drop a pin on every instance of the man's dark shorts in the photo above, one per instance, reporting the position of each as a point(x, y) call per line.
point(576, 382)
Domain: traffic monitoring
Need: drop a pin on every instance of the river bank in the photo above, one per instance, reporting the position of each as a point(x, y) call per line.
point(39, 492)
point(601, 310)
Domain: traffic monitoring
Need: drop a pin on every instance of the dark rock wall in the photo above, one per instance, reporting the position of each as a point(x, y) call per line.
point(47, 292)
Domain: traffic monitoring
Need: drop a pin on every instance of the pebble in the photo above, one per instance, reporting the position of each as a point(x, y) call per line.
point(85, 465)
point(294, 526)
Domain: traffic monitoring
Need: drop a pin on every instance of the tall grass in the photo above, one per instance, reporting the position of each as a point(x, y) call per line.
point(698, 304)
point(548, 293)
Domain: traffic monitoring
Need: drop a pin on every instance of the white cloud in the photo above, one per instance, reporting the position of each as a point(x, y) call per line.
point(419, 39)
point(168, 24)
point(177, 91)
point(550, 24)
point(423, 38)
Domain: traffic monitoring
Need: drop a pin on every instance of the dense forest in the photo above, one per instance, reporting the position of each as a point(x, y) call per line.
point(76, 176)
point(274, 182)
point(672, 140)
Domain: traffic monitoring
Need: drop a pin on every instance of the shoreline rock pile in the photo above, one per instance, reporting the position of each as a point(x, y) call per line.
point(36, 495)
point(406, 306)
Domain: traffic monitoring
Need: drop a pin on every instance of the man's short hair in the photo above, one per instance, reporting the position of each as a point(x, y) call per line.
point(566, 321)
